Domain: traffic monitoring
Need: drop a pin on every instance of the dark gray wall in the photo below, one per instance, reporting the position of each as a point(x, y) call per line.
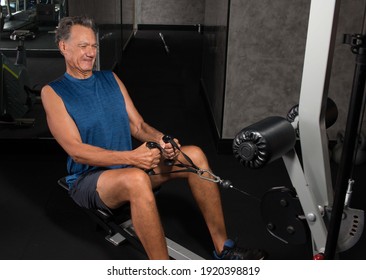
point(103, 12)
point(265, 52)
point(128, 20)
point(214, 56)
point(264, 61)
point(170, 12)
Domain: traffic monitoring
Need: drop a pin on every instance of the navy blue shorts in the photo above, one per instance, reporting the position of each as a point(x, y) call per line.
point(84, 191)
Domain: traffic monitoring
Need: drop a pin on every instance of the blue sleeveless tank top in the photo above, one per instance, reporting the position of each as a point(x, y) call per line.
point(98, 109)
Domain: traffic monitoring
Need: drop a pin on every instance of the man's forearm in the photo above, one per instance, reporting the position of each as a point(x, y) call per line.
point(96, 156)
point(146, 133)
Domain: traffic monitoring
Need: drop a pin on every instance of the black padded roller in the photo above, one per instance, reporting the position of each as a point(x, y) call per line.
point(264, 142)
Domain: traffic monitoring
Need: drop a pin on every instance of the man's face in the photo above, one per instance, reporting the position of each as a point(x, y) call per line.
point(80, 50)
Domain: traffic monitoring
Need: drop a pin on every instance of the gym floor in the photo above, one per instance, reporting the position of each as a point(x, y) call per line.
point(39, 221)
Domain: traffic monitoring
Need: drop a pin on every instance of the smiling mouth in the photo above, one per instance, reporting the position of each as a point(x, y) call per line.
point(88, 61)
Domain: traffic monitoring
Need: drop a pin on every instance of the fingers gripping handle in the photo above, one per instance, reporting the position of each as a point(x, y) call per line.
point(169, 139)
point(152, 145)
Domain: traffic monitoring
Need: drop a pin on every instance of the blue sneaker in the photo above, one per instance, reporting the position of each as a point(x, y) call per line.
point(232, 252)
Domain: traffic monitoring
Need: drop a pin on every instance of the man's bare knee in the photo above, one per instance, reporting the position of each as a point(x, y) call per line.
point(139, 186)
point(134, 177)
point(196, 154)
point(120, 186)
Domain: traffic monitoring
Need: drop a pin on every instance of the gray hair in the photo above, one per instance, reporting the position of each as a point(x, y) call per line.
point(65, 24)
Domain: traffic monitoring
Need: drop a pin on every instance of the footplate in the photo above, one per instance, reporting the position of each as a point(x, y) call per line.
point(115, 239)
point(175, 250)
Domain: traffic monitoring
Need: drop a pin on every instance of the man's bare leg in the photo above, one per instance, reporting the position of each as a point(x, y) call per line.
point(206, 193)
point(116, 187)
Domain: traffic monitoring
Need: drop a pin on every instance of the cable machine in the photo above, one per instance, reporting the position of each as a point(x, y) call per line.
point(325, 211)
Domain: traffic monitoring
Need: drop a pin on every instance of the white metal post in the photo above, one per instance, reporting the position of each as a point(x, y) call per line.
point(313, 97)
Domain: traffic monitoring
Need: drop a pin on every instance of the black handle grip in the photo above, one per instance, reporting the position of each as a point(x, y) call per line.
point(152, 145)
point(169, 139)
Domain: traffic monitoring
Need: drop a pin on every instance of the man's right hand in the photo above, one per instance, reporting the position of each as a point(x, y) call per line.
point(145, 157)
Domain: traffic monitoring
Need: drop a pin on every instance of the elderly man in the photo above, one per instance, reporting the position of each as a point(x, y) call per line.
point(93, 118)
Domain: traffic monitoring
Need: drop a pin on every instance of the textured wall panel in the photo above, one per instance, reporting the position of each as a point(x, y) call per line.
point(265, 59)
point(175, 12)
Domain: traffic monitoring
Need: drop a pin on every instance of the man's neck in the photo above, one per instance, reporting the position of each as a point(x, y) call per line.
point(78, 74)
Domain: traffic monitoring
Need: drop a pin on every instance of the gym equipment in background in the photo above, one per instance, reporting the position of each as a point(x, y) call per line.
point(16, 95)
point(166, 48)
point(360, 154)
point(22, 19)
point(312, 204)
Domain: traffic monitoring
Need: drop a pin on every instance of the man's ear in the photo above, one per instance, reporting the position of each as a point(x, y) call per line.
point(62, 47)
